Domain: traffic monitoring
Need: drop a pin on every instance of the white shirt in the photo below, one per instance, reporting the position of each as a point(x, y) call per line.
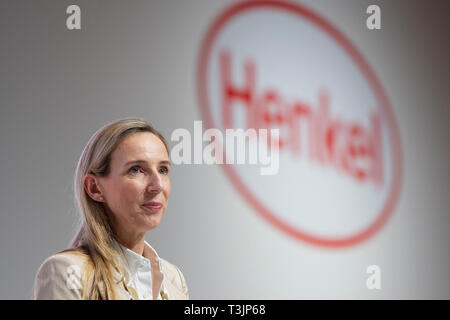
point(140, 271)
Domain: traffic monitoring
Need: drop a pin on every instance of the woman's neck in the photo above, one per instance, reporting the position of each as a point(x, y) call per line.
point(134, 242)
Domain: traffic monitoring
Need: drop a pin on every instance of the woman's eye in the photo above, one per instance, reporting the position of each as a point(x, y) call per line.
point(164, 170)
point(134, 169)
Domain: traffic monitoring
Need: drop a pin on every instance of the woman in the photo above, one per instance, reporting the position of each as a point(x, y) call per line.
point(121, 188)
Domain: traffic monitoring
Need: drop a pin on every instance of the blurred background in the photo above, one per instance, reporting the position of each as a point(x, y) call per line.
point(140, 58)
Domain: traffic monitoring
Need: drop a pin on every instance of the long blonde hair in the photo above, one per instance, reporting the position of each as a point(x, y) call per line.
point(95, 236)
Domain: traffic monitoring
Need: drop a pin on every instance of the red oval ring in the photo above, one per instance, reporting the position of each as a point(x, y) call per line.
point(386, 112)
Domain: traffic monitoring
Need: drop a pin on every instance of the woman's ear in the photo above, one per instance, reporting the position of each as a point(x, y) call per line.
point(92, 187)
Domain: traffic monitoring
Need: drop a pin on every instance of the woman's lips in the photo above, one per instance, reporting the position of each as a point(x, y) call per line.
point(153, 206)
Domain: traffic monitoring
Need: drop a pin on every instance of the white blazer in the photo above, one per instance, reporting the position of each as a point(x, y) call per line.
point(60, 277)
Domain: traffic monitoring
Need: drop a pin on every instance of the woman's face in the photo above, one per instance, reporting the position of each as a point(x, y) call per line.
point(137, 189)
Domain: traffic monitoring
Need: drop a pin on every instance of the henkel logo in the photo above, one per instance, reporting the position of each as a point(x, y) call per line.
point(270, 64)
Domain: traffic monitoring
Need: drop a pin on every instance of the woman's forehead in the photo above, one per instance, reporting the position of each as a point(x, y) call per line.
point(140, 146)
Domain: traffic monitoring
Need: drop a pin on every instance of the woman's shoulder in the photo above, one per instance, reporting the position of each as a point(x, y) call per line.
point(60, 275)
point(67, 257)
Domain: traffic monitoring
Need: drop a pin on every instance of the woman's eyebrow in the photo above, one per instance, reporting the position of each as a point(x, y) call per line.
point(166, 162)
point(135, 161)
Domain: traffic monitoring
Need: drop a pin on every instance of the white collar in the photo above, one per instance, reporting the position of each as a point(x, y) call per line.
point(148, 258)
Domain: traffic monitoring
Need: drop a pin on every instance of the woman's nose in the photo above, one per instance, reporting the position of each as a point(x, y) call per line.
point(155, 183)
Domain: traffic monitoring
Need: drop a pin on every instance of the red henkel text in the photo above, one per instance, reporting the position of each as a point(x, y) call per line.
point(348, 147)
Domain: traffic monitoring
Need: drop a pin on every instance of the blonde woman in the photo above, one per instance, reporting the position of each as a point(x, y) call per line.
point(122, 188)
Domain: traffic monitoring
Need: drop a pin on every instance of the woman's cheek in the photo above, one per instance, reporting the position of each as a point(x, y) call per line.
point(122, 193)
point(168, 189)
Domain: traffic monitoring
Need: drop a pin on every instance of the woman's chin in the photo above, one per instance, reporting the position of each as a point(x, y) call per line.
point(152, 220)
